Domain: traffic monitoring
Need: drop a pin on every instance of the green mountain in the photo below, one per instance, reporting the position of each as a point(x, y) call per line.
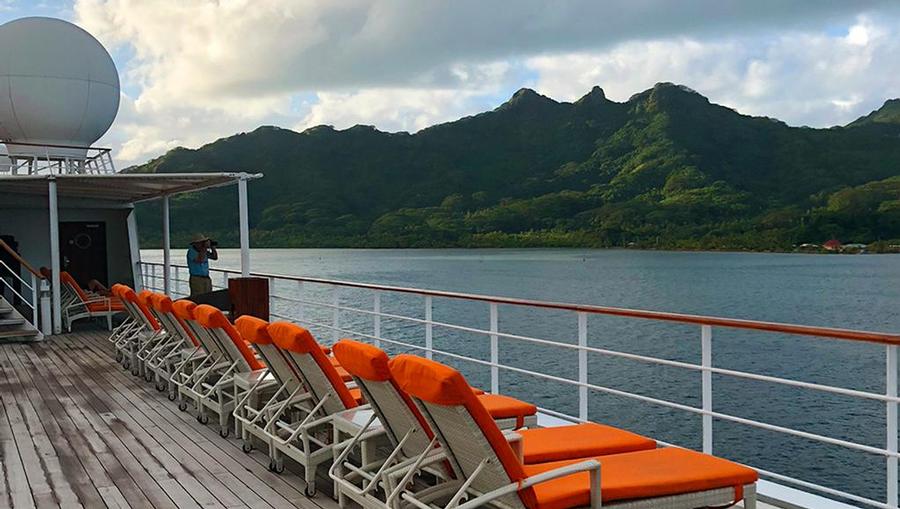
point(666, 168)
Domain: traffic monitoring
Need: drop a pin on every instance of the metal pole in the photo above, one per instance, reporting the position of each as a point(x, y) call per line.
point(54, 253)
point(429, 333)
point(167, 246)
point(336, 301)
point(891, 391)
point(582, 367)
point(706, 383)
point(245, 226)
point(377, 326)
point(35, 304)
point(495, 350)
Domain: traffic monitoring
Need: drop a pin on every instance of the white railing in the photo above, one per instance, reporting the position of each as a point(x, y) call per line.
point(32, 289)
point(301, 299)
point(39, 159)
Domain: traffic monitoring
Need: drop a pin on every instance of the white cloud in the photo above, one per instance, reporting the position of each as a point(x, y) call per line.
point(798, 77)
point(204, 69)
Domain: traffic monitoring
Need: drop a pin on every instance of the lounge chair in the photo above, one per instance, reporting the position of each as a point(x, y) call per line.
point(410, 434)
point(488, 472)
point(78, 304)
point(179, 341)
point(255, 416)
point(306, 435)
point(207, 360)
point(215, 391)
point(146, 330)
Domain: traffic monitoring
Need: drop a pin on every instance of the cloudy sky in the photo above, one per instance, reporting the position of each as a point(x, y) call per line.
point(196, 70)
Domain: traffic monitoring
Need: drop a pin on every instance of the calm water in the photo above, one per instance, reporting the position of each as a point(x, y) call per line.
point(842, 291)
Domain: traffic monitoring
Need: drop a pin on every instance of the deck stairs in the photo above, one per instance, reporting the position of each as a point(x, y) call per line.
point(14, 326)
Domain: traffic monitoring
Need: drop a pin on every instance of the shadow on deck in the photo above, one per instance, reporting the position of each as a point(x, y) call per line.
point(78, 431)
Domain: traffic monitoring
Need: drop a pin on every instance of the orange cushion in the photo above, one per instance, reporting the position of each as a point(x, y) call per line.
point(643, 474)
point(129, 295)
point(103, 306)
point(504, 407)
point(436, 383)
point(541, 445)
point(67, 279)
point(184, 309)
point(213, 318)
point(253, 329)
point(294, 338)
point(363, 360)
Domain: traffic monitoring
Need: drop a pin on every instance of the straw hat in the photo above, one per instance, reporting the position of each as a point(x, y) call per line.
point(199, 237)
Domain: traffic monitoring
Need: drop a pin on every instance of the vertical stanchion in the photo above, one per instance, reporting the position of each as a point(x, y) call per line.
point(582, 367)
point(175, 286)
point(706, 389)
point(300, 309)
point(495, 351)
point(244, 220)
point(429, 339)
point(167, 246)
point(54, 255)
point(377, 326)
point(337, 314)
point(891, 392)
point(34, 300)
point(152, 285)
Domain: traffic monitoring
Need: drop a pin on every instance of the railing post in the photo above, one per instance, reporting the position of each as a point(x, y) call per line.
point(891, 392)
point(175, 282)
point(429, 339)
point(300, 308)
point(34, 300)
point(224, 279)
point(167, 246)
point(706, 389)
point(337, 315)
point(153, 277)
point(582, 367)
point(495, 351)
point(377, 326)
point(271, 294)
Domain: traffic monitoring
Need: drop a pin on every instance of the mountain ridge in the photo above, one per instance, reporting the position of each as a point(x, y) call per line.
point(666, 168)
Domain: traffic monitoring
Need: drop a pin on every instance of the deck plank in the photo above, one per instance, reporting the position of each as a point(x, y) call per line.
point(73, 486)
point(78, 431)
point(279, 491)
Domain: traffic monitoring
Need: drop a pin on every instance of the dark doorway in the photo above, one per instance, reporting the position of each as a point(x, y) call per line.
point(82, 250)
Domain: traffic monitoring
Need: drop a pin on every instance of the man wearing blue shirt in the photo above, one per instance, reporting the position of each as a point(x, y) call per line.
point(199, 254)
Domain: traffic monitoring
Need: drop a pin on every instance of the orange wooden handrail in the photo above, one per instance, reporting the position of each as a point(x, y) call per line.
point(19, 259)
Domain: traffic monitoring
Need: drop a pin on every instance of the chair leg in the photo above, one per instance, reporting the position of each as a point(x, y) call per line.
point(750, 496)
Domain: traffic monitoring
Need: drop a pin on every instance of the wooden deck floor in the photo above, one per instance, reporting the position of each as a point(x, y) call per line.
point(78, 431)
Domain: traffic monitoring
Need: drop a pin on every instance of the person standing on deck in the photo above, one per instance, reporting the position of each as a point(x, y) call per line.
point(202, 250)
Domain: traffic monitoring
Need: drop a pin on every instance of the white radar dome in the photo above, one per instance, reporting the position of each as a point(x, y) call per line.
point(58, 86)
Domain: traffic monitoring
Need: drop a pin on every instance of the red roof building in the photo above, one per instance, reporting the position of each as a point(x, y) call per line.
point(833, 245)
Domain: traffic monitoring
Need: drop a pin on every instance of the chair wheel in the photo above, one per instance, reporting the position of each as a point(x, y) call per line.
point(182, 406)
point(148, 376)
point(172, 396)
point(224, 432)
point(310, 491)
point(247, 448)
point(202, 418)
point(126, 365)
point(275, 467)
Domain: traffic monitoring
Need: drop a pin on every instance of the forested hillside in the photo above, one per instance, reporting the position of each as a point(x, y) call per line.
point(666, 168)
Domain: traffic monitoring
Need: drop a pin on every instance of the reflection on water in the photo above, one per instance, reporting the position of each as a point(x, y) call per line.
point(859, 292)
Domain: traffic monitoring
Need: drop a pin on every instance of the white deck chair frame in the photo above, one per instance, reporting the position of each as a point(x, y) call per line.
point(485, 483)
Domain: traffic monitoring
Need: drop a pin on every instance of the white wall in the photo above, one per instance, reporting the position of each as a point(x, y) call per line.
point(28, 220)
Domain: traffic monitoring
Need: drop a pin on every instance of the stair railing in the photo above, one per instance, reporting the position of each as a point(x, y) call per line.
point(32, 287)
